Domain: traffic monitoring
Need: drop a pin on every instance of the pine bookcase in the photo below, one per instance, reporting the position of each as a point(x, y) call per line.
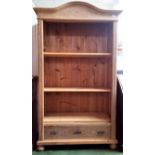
point(77, 75)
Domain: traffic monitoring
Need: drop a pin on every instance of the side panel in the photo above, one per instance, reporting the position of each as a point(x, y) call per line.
point(113, 96)
point(41, 79)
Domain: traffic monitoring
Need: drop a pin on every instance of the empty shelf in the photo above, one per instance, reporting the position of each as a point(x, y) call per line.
point(59, 118)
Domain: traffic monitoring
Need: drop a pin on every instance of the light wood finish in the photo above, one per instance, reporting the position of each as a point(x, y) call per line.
point(76, 102)
point(77, 12)
point(77, 74)
point(77, 141)
point(114, 83)
point(41, 80)
point(81, 55)
point(71, 72)
point(79, 131)
point(40, 148)
point(113, 146)
point(76, 90)
point(78, 37)
point(75, 118)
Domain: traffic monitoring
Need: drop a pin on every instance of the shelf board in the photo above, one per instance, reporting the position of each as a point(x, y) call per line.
point(51, 54)
point(77, 141)
point(71, 118)
point(76, 90)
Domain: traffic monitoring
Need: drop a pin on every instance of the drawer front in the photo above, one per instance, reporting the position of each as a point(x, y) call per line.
point(78, 131)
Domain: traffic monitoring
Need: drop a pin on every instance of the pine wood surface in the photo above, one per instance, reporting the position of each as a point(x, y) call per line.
point(77, 102)
point(70, 72)
point(77, 12)
point(77, 73)
point(76, 117)
point(79, 131)
point(77, 141)
point(81, 55)
point(77, 37)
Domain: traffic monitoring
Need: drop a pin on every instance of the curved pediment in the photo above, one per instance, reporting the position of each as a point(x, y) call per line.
point(76, 11)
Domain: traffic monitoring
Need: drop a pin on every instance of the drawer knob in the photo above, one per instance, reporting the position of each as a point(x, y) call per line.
point(100, 132)
point(53, 133)
point(77, 132)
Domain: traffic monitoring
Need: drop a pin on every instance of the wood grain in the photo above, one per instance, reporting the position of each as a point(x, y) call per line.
point(77, 12)
point(79, 131)
point(41, 81)
point(77, 141)
point(114, 82)
point(78, 38)
point(75, 118)
point(77, 74)
point(76, 102)
point(81, 55)
point(95, 90)
point(71, 72)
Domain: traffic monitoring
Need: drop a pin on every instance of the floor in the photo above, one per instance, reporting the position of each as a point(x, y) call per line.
point(78, 152)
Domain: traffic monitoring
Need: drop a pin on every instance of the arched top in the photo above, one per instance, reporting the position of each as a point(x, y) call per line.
point(76, 11)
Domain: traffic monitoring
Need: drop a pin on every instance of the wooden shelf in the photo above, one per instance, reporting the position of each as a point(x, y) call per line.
point(76, 90)
point(77, 141)
point(75, 118)
point(51, 54)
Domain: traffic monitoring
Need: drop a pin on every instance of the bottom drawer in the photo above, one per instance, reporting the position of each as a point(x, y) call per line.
point(77, 131)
